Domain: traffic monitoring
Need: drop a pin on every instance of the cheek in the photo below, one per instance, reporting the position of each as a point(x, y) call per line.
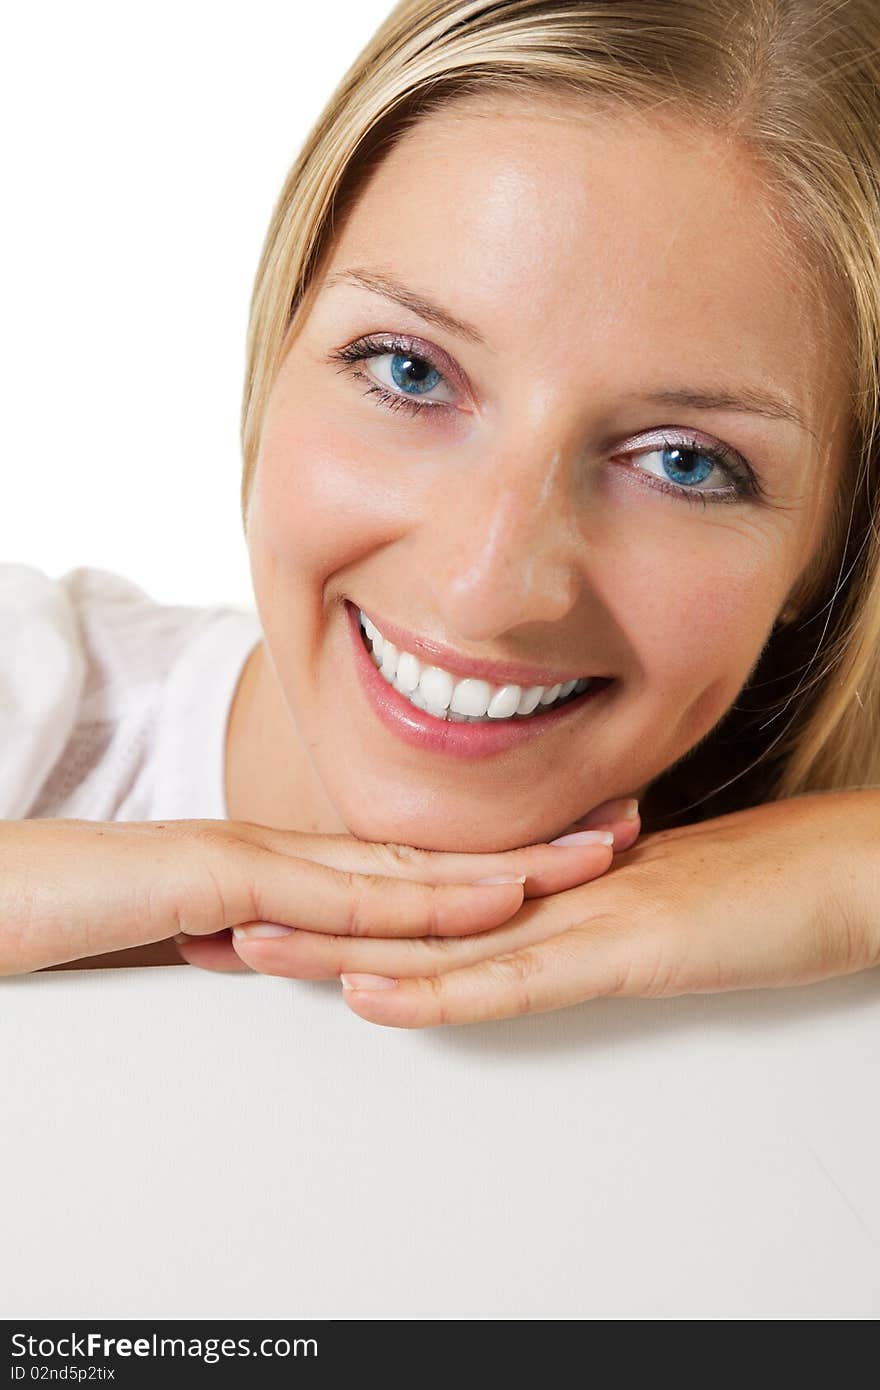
point(704, 612)
point(319, 502)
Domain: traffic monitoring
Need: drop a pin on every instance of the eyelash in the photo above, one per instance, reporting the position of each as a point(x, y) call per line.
point(746, 483)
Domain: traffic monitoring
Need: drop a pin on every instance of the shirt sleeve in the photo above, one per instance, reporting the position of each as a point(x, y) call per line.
point(42, 675)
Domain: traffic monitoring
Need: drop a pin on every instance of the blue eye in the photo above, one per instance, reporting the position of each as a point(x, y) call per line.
point(687, 463)
point(412, 374)
point(677, 463)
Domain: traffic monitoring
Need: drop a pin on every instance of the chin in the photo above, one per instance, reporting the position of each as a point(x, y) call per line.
point(442, 835)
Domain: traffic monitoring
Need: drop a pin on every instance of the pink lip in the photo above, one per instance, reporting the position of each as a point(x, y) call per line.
point(496, 672)
point(423, 731)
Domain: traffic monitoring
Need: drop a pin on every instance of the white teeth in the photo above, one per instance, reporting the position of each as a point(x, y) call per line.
point(471, 697)
point(389, 661)
point(435, 688)
point(529, 699)
point(408, 673)
point(459, 699)
point(504, 702)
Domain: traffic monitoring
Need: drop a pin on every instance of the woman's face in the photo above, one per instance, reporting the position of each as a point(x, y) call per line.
point(620, 467)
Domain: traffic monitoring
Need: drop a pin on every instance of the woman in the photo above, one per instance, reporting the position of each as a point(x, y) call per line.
point(667, 256)
point(538, 282)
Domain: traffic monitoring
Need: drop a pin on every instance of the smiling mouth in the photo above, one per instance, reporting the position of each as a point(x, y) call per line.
point(463, 699)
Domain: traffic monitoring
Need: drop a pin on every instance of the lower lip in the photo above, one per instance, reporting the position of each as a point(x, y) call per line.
point(422, 730)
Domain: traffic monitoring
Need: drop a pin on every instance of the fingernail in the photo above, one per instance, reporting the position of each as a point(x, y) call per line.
point(500, 878)
point(261, 929)
point(181, 938)
point(585, 837)
point(629, 809)
point(366, 982)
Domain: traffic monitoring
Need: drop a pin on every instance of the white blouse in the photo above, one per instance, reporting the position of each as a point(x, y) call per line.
point(113, 706)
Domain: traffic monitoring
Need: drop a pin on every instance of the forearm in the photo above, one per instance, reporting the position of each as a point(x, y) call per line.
point(854, 896)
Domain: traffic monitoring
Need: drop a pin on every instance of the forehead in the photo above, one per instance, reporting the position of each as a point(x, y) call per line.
point(607, 230)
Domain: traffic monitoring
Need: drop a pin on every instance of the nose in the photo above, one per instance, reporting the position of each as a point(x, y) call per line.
point(507, 548)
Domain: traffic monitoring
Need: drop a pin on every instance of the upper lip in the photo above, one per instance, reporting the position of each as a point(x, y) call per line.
point(458, 664)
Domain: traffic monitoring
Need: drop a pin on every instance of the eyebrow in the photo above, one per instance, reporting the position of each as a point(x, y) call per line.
point(746, 401)
point(382, 283)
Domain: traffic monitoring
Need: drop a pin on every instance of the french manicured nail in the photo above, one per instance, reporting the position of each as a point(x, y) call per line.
point(261, 929)
point(586, 837)
point(500, 878)
point(366, 982)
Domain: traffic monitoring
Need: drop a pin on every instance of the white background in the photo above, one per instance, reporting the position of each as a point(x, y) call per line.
point(182, 1144)
point(144, 149)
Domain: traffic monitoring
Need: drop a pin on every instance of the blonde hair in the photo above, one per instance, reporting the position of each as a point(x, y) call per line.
point(798, 82)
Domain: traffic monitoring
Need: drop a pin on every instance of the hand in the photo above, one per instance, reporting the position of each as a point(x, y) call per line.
point(779, 894)
point(323, 951)
point(78, 888)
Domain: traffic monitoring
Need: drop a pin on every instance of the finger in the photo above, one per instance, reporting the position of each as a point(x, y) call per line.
point(318, 898)
point(211, 953)
point(620, 816)
point(302, 953)
point(548, 868)
point(306, 955)
point(579, 964)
